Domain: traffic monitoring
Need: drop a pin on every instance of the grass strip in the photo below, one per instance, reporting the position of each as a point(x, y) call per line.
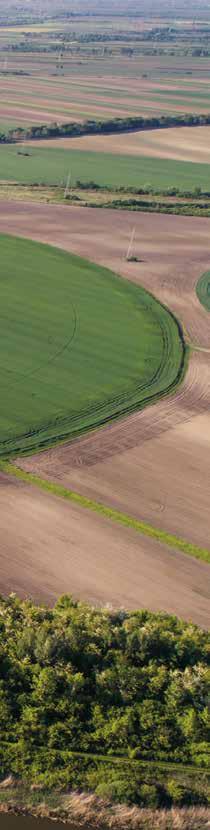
point(109, 513)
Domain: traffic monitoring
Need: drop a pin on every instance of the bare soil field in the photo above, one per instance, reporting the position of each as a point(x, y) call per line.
point(99, 562)
point(153, 465)
point(181, 143)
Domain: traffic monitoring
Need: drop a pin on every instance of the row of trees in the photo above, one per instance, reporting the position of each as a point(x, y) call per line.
point(110, 126)
point(78, 683)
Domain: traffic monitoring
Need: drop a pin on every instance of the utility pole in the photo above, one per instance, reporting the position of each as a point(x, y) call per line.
point(68, 182)
point(130, 246)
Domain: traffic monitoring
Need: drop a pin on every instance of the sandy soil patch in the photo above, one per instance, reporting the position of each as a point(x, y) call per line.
point(180, 143)
point(98, 561)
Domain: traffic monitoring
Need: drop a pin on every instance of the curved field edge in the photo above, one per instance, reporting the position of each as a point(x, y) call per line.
point(203, 290)
point(169, 375)
point(107, 512)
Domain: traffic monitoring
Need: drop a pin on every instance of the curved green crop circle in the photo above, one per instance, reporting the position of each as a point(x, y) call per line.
point(203, 290)
point(79, 346)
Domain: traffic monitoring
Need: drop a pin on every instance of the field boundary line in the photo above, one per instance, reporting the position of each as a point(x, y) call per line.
point(107, 512)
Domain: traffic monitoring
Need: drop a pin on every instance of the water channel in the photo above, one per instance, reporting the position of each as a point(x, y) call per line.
point(10, 822)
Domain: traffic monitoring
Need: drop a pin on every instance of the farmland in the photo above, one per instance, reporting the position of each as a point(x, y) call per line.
point(181, 143)
point(203, 290)
point(77, 351)
point(50, 165)
point(88, 68)
point(133, 465)
point(35, 90)
point(104, 416)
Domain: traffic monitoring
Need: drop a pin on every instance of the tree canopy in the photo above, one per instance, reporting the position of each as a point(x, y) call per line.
point(78, 683)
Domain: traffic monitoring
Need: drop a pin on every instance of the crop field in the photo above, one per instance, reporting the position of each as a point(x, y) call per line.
point(179, 143)
point(203, 290)
point(83, 348)
point(105, 398)
point(79, 346)
point(134, 464)
point(50, 165)
point(84, 67)
point(131, 465)
point(95, 84)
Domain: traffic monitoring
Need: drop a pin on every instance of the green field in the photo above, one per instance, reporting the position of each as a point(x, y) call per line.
point(203, 290)
point(48, 165)
point(79, 346)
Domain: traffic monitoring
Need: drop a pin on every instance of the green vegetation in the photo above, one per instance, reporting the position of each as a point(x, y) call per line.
point(109, 126)
point(49, 165)
point(91, 195)
point(180, 208)
point(114, 515)
point(79, 346)
point(203, 290)
point(110, 701)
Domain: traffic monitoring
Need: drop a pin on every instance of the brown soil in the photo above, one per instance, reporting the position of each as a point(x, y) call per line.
point(183, 144)
point(47, 97)
point(50, 547)
point(153, 465)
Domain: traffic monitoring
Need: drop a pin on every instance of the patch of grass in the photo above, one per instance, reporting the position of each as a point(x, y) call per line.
point(79, 345)
point(109, 513)
point(203, 290)
point(50, 165)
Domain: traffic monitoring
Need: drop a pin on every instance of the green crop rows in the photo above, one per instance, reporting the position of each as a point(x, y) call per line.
point(203, 290)
point(79, 346)
point(50, 165)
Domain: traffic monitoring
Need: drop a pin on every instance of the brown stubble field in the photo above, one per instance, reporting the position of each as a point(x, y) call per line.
point(50, 547)
point(181, 143)
point(153, 465)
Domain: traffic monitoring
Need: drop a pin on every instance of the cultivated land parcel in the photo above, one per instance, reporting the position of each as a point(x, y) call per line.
point(104, 416)
point(58, 388)
point(76, 351)
point(50, 165)
point(134, 465)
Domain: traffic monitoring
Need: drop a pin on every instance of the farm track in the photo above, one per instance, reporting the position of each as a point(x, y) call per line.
point(153, 464)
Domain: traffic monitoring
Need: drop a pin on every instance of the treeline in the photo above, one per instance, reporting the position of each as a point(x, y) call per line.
point(174, 208)
point(113, 702)
point(108, 127)
point(197, 193)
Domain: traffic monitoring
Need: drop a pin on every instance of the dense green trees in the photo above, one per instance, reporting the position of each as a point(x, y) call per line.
point(78, 683)
point(110, 126)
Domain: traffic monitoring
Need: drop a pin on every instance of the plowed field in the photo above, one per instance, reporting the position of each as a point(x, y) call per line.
point(153, 464)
